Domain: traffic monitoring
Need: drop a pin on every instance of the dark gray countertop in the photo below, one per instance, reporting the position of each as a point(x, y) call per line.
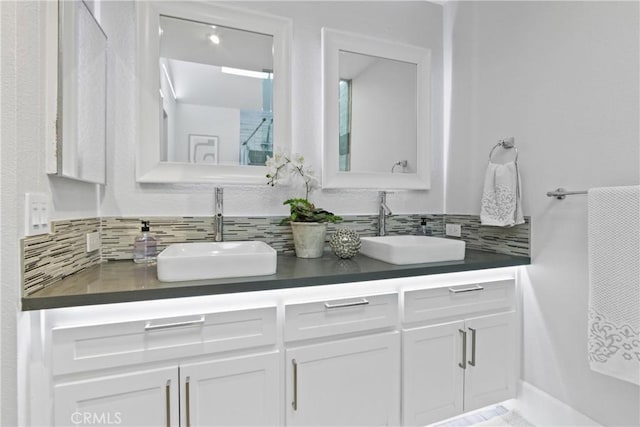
point(125, 281)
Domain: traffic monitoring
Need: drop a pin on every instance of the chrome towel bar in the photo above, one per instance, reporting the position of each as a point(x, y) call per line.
point(561, 193)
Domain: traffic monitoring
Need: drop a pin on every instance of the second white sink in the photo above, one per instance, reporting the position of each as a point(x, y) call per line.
point(215, 260)
point(412, 249)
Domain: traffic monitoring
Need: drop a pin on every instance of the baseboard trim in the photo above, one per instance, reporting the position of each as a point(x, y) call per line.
point(542, 409)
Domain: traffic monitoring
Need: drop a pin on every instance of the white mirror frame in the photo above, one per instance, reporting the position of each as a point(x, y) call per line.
point(334, 41)
point(149, 168)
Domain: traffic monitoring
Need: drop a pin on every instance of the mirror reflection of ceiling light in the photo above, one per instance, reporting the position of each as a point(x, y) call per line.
point(213, 38)
point(246, 73)
point(166, 73)
point(213, 26)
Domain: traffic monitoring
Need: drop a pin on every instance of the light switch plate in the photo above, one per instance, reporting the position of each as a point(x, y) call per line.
point(453, 230)
point(93, 241)
point(36, 214)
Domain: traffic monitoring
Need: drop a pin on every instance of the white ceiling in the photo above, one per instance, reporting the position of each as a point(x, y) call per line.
point(189, 41)
point(204, 84)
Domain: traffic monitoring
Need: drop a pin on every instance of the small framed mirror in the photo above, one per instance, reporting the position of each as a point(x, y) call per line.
point(82, 95)
point(376, 113)
point(214, 93)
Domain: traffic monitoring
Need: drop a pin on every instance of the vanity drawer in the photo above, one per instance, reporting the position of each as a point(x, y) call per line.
point(342, 316)
point(460, 300)
point(84, 348)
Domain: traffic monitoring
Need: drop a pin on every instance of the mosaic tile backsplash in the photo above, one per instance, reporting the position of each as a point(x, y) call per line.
point(118, 233)
point(49, 258)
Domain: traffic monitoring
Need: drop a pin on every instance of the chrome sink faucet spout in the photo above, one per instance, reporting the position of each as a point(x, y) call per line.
point(218, 219)
point(383, 212)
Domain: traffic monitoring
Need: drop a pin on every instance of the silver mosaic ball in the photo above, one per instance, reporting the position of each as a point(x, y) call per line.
point(345, 243)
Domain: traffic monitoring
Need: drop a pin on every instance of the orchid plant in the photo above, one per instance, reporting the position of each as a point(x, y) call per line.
point(282, 169)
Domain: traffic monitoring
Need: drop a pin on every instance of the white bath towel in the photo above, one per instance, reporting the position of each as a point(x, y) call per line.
point(614, 282)
point(501, 198)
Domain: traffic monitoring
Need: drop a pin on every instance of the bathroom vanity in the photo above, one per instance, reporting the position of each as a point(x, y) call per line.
point(373, 344)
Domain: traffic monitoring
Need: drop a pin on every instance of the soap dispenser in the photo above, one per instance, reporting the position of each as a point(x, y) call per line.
point(145, 246)
point(423, 228)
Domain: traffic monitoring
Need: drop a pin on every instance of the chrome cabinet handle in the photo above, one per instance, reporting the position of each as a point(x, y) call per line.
point(329, 306)
point(472, 362)
point(150, 327)
point(187, 399)
point(294, 403)
point(167, 392)
point(463, 334)
point(472, 289)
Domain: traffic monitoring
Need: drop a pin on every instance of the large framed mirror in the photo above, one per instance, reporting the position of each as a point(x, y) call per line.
point(376, 113)
point(214, 92)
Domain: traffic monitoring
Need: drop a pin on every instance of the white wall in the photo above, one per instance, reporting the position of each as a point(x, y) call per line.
point(204, 120)
point(562, 77)
point(418, 23)
point(384, 121)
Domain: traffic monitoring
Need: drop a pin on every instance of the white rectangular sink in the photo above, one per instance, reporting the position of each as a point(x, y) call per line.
point(412, 249)
point(215, 260)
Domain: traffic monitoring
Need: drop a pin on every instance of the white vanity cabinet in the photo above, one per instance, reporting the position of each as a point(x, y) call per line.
point(211, 369)
point(136, 398)
point(375, 354)
point(338, 380)
point(459, 351)
point(239, 391)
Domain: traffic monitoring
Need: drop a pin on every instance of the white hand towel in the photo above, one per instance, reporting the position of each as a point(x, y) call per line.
point(614, 282)
point(501, 198)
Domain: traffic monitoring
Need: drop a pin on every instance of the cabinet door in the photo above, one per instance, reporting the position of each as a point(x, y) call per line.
point(141, 398)
point(491, 374)
point(240, 391)
point(432, 379)
point(347, 382)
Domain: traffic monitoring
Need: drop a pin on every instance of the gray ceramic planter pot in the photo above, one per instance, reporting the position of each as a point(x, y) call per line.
point(308, 238)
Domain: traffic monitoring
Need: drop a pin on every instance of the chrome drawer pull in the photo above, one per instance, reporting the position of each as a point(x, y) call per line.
point(329, 306)
point(472, 362)
point(150, 327)
point(187, 392)
point(473, 289)
point(463, 334)
point(167, 403)
point(294, 403)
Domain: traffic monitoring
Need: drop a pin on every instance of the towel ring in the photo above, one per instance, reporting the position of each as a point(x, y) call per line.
point(506, 144)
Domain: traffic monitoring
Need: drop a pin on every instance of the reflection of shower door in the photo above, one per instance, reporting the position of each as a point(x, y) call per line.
point(255, 136)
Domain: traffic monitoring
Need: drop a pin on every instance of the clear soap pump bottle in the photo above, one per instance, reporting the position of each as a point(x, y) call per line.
point(145, 246)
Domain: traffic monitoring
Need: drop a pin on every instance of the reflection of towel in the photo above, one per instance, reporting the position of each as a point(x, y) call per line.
point(614, 282)
point(501, 199)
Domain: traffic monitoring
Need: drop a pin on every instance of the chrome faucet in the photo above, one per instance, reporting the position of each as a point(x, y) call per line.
point(383, 212)
point(218, 220)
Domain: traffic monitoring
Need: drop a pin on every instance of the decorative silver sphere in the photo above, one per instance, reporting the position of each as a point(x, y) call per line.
point(345, 243)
